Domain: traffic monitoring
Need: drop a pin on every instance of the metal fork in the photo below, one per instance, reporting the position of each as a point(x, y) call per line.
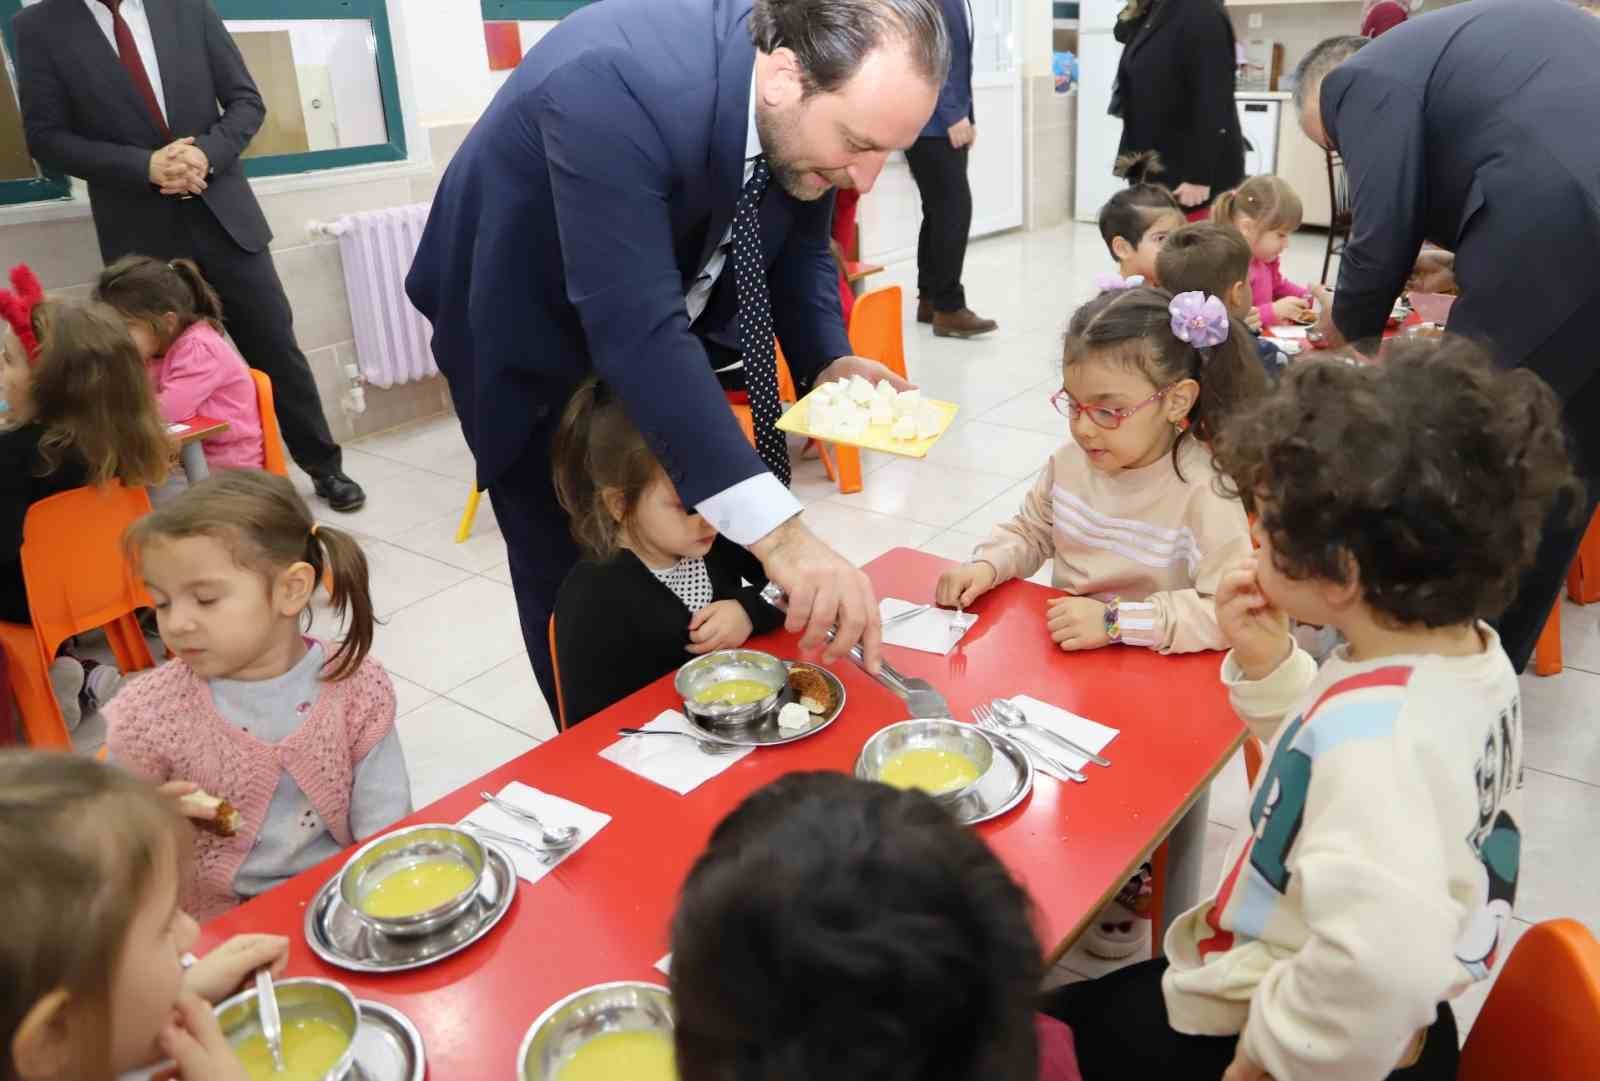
point(987, 721)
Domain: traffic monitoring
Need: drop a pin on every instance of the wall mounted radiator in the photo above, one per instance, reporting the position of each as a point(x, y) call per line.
point(377, 247)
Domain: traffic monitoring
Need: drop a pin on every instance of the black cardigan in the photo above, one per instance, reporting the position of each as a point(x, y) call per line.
point(21, 486)
point(618, 628)
point(1175, 82)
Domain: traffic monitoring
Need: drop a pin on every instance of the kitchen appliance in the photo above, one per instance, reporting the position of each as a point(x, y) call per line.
point(1258, 121)
point(1098, 134)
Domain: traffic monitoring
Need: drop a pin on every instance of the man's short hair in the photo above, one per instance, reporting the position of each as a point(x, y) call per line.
point(831, 38)
point(1323, 58)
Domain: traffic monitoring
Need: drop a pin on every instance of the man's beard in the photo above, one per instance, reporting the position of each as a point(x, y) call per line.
point(775, 141)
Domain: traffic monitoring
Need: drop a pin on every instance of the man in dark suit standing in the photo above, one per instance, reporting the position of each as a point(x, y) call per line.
point(150, 102)
point(1472, 127)
point(939, 161)
point(647, 199)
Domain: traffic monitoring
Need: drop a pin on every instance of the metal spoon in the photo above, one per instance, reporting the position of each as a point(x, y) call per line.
point(707, 746)
point(271, 1024)
point(1010, 714)
point(543, 855)
point(560, 838)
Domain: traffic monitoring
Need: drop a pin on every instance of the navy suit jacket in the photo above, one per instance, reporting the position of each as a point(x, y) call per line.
point(955, 97)
point(82, 116)
point(572, 221)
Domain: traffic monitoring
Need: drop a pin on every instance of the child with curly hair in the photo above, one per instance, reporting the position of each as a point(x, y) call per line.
point(1380, 869)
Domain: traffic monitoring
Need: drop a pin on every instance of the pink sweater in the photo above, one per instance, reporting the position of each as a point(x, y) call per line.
point(1267, 284)
point(164, 727)
point(202, 375)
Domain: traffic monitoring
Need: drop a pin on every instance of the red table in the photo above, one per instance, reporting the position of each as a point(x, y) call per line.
point(603, 914)
point(195, 430)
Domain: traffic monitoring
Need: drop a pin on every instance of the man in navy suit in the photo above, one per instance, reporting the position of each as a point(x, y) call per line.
point(584, 227)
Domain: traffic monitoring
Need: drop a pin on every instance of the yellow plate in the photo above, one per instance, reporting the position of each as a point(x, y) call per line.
point(875, 436)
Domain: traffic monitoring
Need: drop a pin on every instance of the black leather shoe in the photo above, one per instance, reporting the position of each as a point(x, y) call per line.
point(340, 492)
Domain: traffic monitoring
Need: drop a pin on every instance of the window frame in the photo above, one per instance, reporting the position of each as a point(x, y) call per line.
point(47, 186)
point(377, 15)
point(512, 11)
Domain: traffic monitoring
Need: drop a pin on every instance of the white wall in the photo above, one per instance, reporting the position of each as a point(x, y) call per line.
point(449, 60)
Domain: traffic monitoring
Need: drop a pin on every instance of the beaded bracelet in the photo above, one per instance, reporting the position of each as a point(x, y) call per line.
point(1113, 624)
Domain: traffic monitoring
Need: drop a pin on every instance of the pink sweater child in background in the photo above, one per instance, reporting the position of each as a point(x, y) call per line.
point(175, 319)
point(1267, 212)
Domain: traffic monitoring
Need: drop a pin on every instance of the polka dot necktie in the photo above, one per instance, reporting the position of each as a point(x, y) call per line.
point(755, 324)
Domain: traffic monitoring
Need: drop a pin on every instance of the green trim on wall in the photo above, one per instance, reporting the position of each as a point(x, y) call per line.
point(530, 10)
point(49, 185)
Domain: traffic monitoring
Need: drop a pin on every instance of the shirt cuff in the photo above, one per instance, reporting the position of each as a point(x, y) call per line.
point(750, 509)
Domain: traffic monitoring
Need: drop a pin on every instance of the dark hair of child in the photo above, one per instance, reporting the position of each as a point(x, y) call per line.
point(85, 841)
point(1206, 257)
point(149, 290)
point(602, 468)
point(1130, 212)
point(92, 395)
point(262, 521)
point(842, 929)
point(1133, 328)
point(1430, 476)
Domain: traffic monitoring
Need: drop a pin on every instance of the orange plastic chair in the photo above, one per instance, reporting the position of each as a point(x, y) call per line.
point(1542, 1018)
point(786, 395)
point(273, 459)
point(1583, 580)
point(77, 579)
point(555, 667)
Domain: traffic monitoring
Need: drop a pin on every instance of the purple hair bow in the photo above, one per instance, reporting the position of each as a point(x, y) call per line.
point(1115, 283)
point(1198, 319)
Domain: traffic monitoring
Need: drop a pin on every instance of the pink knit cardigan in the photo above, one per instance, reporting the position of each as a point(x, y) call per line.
point(163, 726)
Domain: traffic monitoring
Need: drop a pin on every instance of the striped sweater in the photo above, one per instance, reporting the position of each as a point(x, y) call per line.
point(1156, 541)
point(1380, 868)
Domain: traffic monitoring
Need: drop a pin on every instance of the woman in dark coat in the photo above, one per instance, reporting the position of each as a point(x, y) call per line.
point(1175, 94)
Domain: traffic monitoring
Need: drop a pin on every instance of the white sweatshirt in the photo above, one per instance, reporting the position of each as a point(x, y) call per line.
point(1380, 869)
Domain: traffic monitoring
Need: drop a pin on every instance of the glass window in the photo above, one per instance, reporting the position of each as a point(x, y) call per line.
point(530, 10)
point(21, 180)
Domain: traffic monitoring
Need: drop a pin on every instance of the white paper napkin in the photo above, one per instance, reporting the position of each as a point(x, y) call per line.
point(553, 811)
point(1080, 730)
point(1290, 331)
point(672, 763)
point(665, 965)
point(935, 631)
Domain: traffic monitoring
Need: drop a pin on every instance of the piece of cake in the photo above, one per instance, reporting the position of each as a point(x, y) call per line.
point(225, 820)
point(811, 688)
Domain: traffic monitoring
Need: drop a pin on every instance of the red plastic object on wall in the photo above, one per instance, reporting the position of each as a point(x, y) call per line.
point(505, 45)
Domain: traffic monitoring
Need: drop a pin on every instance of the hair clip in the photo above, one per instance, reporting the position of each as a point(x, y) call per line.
point(1115, 283)
point(17, 307)
point(1199, 319)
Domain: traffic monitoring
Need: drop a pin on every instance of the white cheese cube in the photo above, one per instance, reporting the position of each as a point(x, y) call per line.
point(905, 429)
point(860, 391)
point(882, 412)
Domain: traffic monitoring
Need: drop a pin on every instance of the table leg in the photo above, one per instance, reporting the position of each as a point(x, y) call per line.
point(193, 458)
point(1186, 854)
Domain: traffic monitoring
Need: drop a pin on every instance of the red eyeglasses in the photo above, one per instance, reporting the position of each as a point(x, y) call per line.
point(1101, 415)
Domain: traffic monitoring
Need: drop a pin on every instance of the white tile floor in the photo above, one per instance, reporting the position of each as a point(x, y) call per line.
point(467, 701)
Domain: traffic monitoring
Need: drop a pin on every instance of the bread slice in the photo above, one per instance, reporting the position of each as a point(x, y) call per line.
point(812, 688)
point(225, 820)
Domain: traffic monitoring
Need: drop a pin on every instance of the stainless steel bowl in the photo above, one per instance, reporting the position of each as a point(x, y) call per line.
point(297, 999)
point(403, 849)
point(556, 1034)
point(725, 664)
point(962, 739)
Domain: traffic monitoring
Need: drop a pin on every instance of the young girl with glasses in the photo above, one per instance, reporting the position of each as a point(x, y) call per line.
point(1129, 507)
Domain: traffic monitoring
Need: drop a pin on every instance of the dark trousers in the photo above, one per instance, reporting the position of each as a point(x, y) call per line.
point(1119, 1024)
point(940, 171)
point(260, 321)
point(540, 545)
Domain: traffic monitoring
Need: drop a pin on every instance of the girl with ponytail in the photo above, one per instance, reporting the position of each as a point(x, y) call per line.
point(175, 319)
point(1130, 508)
point(294, 736)
point(657, 584)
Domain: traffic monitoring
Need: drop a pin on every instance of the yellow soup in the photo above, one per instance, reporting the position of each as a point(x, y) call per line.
point(935, 772)
point(311, 1046)
point(644, 1055)
point(417, 889)
point(733, 692)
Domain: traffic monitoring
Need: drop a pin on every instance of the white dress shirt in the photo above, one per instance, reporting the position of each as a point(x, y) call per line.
point(756, 505)
point(138, 21)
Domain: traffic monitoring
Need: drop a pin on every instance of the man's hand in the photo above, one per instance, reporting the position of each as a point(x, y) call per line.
point(963, 134)
point(1191, 194)
point(1435, 272)
point(1288, 309)
point(222, 971)
point(179, 168)
point(1257, 631)
point(870, 370)
point(824, 590)
point(719, 625)
point(1077, 623)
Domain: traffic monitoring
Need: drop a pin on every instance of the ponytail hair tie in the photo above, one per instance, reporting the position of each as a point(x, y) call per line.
point(1199, 319)
point(1115, 283)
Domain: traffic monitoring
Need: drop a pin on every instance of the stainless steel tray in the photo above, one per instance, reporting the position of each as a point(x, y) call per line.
point(388, 1046)
point(1007, 783)
point(341, 938)
point(765, 732)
